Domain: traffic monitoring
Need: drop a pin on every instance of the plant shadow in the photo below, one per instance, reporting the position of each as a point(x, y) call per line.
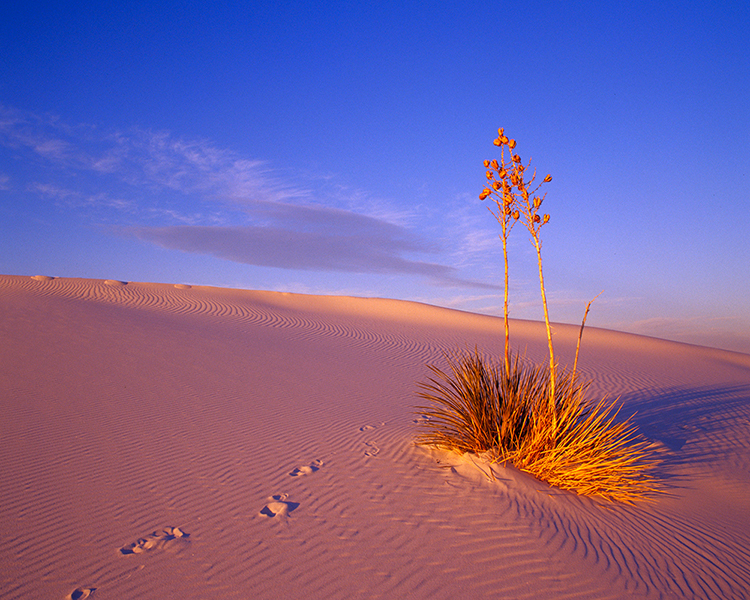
point(695, 425)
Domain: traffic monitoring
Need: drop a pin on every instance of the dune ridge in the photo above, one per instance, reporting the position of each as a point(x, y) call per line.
point(274, 432)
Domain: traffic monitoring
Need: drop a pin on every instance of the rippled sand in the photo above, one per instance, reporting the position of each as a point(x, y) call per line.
point(169, 441)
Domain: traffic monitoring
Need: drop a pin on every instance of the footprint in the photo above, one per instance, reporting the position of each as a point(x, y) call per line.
point(277, 506)
point(369, 427)
point(421, 419)
point(156, 540)
point(80, 593)
point(307, 469)
point(372, 449)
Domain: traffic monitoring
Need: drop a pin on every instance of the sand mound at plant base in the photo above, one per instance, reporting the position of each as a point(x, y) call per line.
point(163, 441)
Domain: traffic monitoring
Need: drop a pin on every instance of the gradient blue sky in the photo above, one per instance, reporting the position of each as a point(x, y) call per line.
point(337, 148)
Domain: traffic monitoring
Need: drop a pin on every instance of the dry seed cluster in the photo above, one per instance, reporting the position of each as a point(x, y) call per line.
point(509, 189)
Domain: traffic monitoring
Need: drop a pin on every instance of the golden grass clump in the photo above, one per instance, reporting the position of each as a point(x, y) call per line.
point(476, 406)
point(583, 448)
point(576, 445)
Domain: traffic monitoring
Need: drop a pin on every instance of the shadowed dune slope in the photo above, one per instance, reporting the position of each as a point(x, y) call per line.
point(168, 441)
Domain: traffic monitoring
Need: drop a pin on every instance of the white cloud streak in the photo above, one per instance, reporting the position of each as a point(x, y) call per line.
point(282, 225)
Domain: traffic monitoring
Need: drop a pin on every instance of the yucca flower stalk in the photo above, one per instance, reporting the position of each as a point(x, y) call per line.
point(580, 331)
point(515, 201)
point(505, 203)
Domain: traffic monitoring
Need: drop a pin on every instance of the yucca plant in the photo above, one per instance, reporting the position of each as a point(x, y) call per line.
point(536, 417)
point(476, 406)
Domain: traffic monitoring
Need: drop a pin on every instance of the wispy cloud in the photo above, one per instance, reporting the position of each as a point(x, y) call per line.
point(149, 161)
point(681, 326)
point(288, 249)
point(193, 196)
point(75, 198)
point(311, 238)
point(729, 332)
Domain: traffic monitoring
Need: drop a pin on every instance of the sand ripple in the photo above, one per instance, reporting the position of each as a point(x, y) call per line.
point(277, 430)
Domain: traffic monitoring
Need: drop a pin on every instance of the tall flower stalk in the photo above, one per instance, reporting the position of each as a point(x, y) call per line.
point(505, 202)
point(516, 200)
point(580, 331)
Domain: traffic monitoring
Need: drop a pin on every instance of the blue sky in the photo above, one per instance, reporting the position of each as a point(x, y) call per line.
point(337, 148)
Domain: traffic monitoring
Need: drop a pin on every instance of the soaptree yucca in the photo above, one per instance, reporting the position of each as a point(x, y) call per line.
point(536, 417)
point(476, 406)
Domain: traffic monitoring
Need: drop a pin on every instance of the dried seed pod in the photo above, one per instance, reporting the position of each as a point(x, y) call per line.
point(506, 210)
point(484, 194)
point(486, 164)
point(500, 132)
point(497, 142)
point(490, 175)
point(537, 219)
point(516, 215)
point(525, 195)
point(516, 158)
point(503, 139)
point(546, 218)
point(495, 185)
point(537, 202)
point(511, 144)
point(520, 168)
point(548, 179)
point(514, 179)
point(494, 164)
point(502, 173)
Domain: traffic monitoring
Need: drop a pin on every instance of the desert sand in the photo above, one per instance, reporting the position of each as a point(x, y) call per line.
point(168, 441)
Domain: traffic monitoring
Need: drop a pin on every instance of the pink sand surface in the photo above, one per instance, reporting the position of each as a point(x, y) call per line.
point(162, 441)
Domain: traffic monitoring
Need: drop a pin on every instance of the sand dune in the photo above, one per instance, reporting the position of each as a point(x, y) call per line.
point(169, 441)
